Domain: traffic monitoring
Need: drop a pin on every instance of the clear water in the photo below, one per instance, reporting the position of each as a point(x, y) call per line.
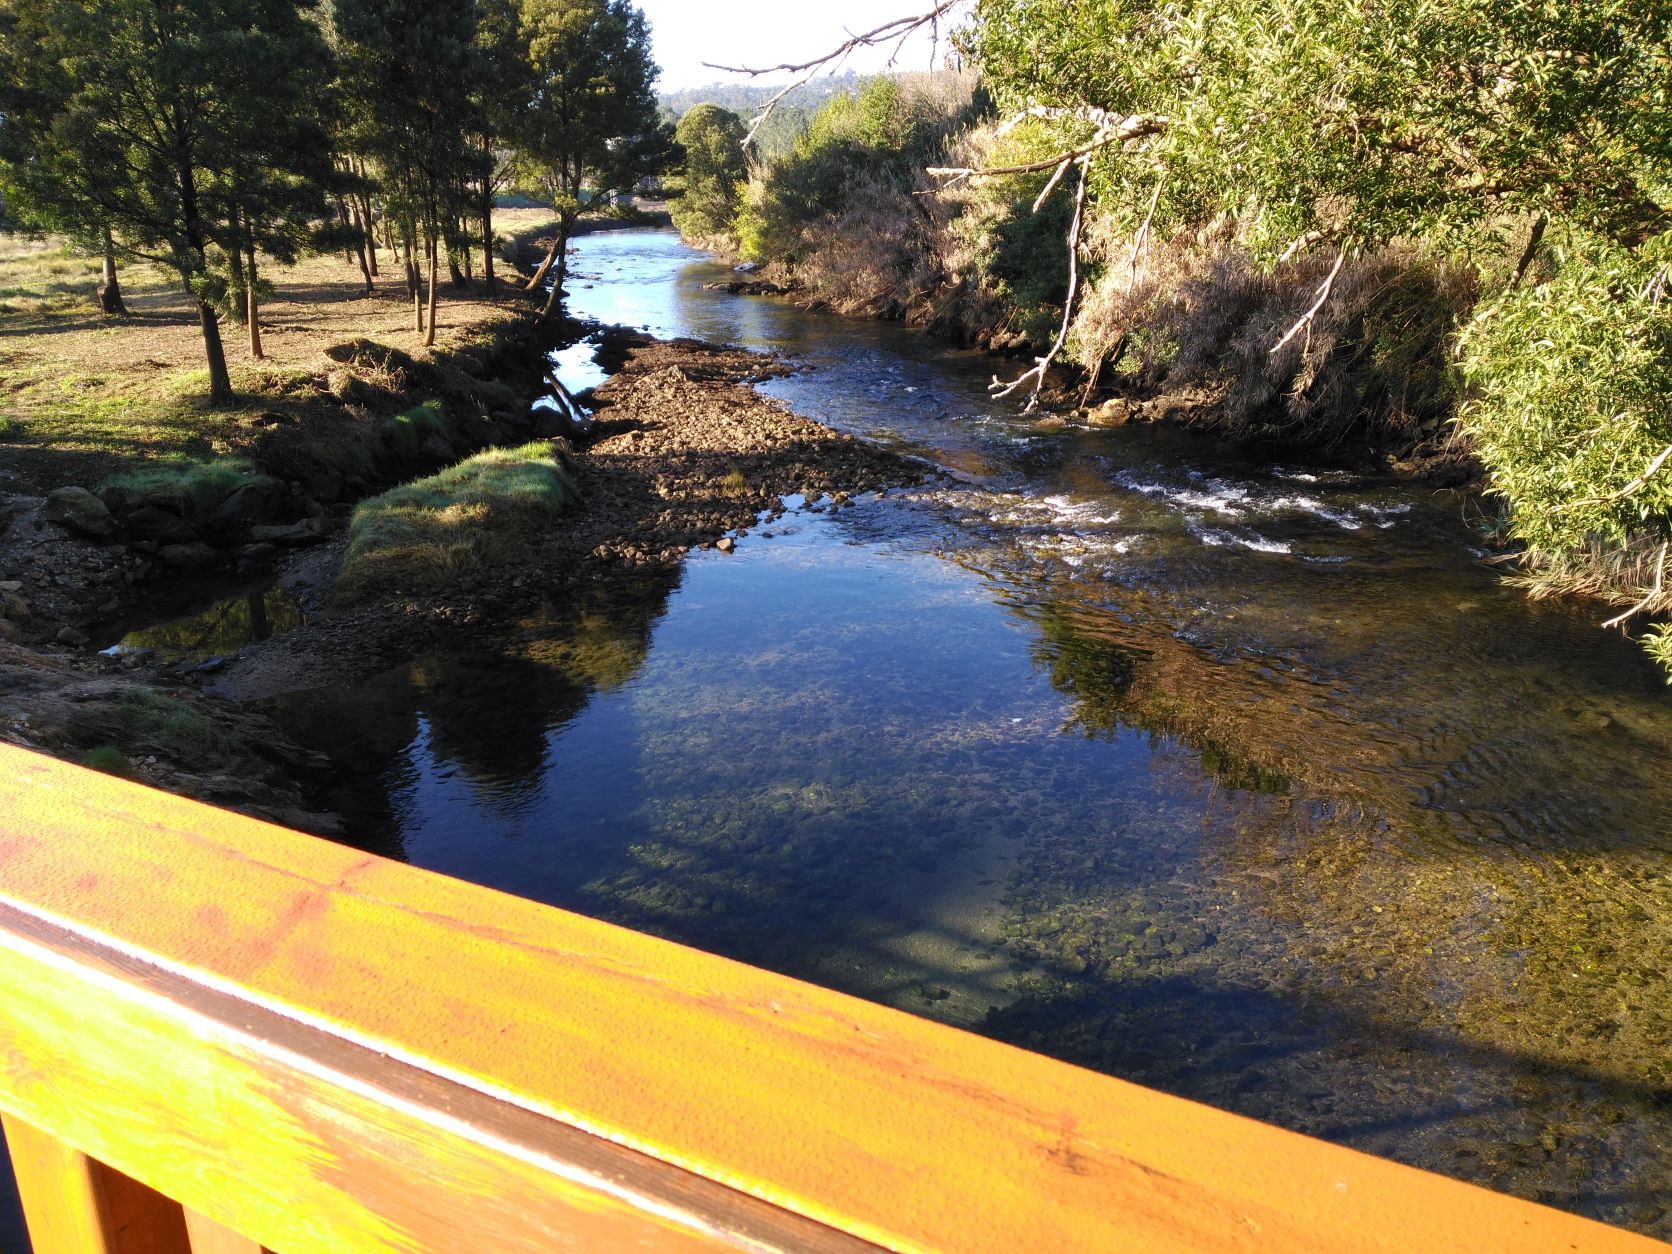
point(1249, 784)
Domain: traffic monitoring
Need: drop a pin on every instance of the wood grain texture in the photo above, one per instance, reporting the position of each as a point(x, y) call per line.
point(76, 1205)
point(895, 1130)
point(209, 1237)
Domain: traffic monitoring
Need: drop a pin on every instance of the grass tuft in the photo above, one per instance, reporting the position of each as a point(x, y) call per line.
point(173, 727)
point(198, 486)
point(110, 760)
point(483, 511)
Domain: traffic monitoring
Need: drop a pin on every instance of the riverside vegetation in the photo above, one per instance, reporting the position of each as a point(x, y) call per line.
point(1434, 236)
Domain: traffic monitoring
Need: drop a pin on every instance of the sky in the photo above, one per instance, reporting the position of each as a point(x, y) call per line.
point(685, 33)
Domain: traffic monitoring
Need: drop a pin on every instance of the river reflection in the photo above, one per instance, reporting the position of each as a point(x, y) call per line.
point(1250, 785)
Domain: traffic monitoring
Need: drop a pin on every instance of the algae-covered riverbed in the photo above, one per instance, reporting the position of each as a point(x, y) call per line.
point(1249, 783)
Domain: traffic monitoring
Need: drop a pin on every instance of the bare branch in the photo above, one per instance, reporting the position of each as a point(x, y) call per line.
point(1117, 130)
point(1140, 241)
point(1000, 389)
point(897, 31)
point(1324, 289)
point(1654, 592)
point(1649, 472)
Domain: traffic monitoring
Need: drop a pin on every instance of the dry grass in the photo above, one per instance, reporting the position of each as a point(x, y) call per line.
point(84, 396)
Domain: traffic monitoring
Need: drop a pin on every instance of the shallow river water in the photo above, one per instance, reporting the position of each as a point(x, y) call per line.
point(1252, 784)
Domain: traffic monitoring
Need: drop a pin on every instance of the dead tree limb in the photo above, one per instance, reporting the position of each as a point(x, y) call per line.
point(1324, 289)
point(1654, 592)
point(896, 32)
point(1001, 389)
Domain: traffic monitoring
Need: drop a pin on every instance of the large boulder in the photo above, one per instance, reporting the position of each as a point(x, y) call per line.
point(79, 510)
point(193, 556)
point(149, 522)
point(250, 505)
point(297, 535)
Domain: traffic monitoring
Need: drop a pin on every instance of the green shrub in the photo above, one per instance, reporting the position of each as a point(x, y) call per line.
point(482, 511)
point(110, 760)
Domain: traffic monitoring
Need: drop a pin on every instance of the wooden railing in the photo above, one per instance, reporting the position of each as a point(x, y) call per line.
point(217, 1035)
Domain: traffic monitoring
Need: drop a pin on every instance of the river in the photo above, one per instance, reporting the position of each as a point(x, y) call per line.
point(1250, 783)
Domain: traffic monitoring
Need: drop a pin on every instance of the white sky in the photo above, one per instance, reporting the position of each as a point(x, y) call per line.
point(685, 33)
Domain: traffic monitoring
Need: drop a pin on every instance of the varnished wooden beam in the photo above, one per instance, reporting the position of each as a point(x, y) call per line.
point(327, 1051)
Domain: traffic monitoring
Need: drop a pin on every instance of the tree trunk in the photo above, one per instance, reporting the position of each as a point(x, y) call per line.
point(254, 307)
point(110, 291)
point(555, 297)
point(487, 232)
point(348, 223)
point(235, 262)
point(220, 383)
point(414, 283)
point(551, 255)
point(361, 237)
point(435, 264)
point(455, 276)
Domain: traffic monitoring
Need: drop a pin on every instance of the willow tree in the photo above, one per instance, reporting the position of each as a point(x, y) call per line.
point(134, 120)
point(592, 129)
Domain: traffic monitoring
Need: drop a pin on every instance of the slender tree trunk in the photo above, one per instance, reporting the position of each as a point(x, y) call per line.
point(487, 232)
point(370, 224)
point(235, 262)
point(435, 262)
point(110, 291)
point(347, 221)
point(414, 283)
point(220, 382)
point(555, 297)
point(361, 238)
point(551, 256)
point(254, 307)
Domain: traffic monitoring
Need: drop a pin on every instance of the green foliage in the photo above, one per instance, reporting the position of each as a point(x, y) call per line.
point(1657, 642)
point(592, 129)
point(854, 146)
point(178, 126)
point(1571, 394)
point(482, 511)
point(1431, 119)
point(110, 760)
point(712, 138)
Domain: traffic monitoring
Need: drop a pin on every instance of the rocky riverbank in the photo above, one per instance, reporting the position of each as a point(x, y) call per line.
point(682, 454)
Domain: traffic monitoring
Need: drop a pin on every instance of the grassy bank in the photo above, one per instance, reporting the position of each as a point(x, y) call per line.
point(87, 397)
point(482, 512)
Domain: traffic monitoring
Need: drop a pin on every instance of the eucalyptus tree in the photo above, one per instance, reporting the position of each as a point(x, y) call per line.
point(592, 127)
point(165, 127)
